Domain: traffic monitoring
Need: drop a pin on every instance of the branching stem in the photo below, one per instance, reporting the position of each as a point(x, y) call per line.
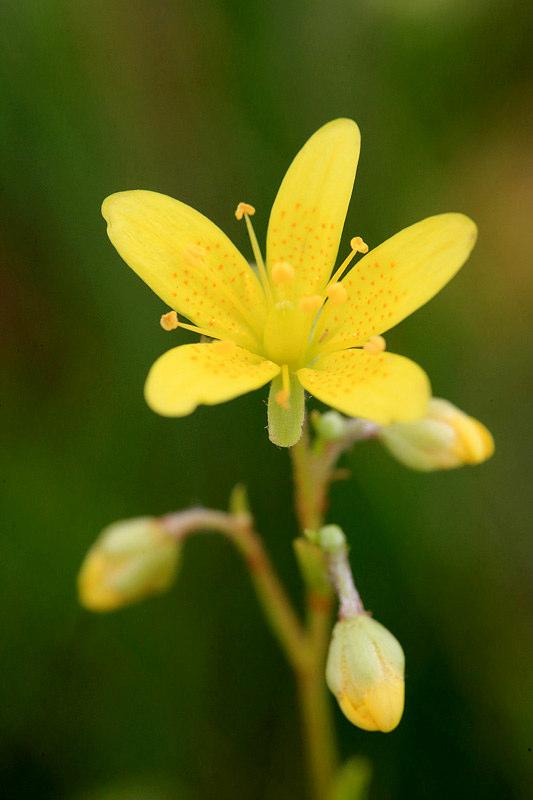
point(271, 594)
point(305, 645)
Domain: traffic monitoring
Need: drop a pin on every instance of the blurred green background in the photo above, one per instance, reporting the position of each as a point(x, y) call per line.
point(186, 697)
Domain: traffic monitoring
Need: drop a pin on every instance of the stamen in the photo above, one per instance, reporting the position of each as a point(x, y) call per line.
point(169, 321)
point(311, 303)
point(358, 246)
point(282, 272)
point(246, 210)
point(337, 294)
point(376, 344)
point(282, 397)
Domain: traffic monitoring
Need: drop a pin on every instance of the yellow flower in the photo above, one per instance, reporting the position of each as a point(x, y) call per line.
point(365, 672)
point(289, 321)
point(444, 438)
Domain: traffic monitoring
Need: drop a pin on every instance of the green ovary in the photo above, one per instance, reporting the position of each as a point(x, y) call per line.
point(286, 335)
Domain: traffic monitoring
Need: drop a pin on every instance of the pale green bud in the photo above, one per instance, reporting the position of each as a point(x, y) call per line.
point(444, 438)
point(365, 672)
point(329, 426)
point(331, 538)
point(131, 559)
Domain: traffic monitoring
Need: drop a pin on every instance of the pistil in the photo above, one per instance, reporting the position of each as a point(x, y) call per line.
point(282, 397)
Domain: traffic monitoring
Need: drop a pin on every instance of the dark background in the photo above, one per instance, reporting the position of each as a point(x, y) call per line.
point(186, 697)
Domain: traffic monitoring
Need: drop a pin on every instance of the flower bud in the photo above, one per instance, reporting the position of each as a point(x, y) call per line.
point(444, 438)
point(131, 559)
point(331, 538)
point(365, 672)
point(329, 426)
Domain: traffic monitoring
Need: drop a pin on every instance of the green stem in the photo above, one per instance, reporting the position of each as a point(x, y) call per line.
point(310, 487)
point(312, 476)
point(305, 648)
point(276, 605)
point(320, 739)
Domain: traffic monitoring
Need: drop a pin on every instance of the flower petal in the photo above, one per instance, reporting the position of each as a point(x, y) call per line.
point(187, 260)
point(308, 214)
point(381, 387)
point(399, 276)
point(186, 376)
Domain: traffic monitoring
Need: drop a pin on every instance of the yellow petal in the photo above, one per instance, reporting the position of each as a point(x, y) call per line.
point(186, 376)
point(188, 262)
point(381, 387)
point(310, 208)
point(379, 709)
point(399, 276)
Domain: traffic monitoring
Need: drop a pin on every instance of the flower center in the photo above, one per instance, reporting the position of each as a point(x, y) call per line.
point(289, 331)
point(289, 334)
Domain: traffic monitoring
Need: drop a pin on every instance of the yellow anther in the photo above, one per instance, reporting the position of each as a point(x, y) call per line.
point(337, 294)
point(169, 321)
point(376, 344)
point(358, 245)
point(282, 272)
point(311, 303)
point(244, 209)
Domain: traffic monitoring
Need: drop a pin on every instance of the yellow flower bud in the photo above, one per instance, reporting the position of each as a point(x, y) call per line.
point(365, 672)
point(444, 438)
point(131, 559)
